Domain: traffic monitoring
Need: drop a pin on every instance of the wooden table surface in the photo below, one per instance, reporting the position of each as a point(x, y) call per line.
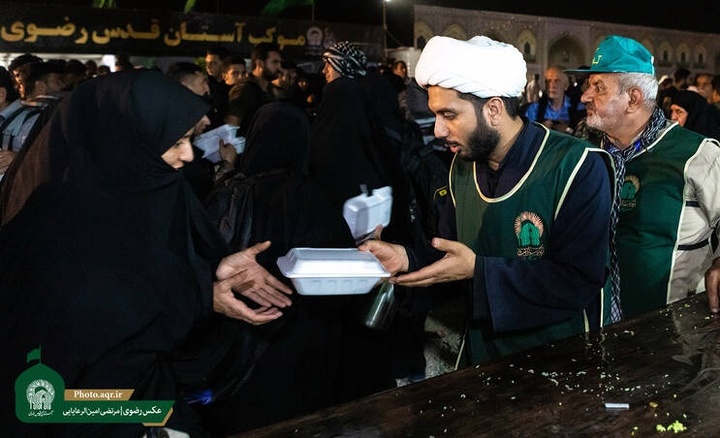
point(664, 365)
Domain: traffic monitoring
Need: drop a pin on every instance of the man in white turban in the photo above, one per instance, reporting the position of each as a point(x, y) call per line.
point(479, 66)
point(528, 227)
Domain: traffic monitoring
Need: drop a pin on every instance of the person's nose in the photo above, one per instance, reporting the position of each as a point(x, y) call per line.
point(586, 96)
point(186, 152)
point(205, 122)
point(440, 129)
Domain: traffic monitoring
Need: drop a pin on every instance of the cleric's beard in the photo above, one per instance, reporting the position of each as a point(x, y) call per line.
point(481, 143)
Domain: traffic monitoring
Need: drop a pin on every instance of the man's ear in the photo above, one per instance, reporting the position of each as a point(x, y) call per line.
point(493, 109)
point(3, 94)
point(636, 98)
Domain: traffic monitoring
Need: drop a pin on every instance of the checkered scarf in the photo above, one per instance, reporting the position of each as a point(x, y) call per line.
point(657, 122)
point(347, 59)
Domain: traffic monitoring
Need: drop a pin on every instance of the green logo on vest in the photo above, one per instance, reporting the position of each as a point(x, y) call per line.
point(629, 190)
point(529, 230)
point(41, 397)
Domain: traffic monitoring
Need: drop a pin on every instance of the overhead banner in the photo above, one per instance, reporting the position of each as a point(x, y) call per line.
point(60, 29)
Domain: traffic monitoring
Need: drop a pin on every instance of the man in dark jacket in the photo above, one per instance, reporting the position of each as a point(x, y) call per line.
point(257, 89)
point(529, 222)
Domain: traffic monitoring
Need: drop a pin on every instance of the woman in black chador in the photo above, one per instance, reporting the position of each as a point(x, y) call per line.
point(299, 369)
point(112, 262)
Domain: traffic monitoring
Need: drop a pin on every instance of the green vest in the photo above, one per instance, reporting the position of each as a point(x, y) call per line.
point(518, 224)
point(650, 211)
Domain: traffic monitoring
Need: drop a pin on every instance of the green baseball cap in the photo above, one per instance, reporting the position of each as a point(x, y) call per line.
point(618, 54)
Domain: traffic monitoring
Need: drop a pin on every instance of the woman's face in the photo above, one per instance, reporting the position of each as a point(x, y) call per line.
point(678, 114)
point(181, 152)
point(201, 125)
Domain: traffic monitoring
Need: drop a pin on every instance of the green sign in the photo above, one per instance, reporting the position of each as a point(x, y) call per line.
point(66, 29)
point(41, 397)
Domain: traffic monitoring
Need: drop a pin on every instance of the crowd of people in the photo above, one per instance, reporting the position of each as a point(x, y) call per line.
point(212, 329)
point(121, 259)
point(565, 112)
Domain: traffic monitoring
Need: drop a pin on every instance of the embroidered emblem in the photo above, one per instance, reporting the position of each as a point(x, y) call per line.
point(629, 190)
point(529, 230)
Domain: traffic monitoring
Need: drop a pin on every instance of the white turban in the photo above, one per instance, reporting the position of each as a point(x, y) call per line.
point(479, 66)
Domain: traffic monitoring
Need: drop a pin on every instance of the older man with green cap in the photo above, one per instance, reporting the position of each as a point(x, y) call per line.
point(527, 230)
point(668, 178)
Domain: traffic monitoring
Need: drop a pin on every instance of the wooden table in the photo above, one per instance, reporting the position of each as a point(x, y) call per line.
point(664, 365)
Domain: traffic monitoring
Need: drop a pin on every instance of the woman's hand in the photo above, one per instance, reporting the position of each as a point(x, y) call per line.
point(240, 272)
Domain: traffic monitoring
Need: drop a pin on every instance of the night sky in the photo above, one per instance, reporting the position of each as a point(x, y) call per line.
point(693, 15)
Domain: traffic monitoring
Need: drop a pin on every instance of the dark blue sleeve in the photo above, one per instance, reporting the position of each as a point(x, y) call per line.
point(519, 294)
point(423, 255)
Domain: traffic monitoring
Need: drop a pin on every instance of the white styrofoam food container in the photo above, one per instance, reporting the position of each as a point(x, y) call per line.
point(209, 141)
point(365, 212)
point(331, 271)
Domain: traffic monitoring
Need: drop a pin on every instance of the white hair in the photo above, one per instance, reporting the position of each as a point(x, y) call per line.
point(647, 83)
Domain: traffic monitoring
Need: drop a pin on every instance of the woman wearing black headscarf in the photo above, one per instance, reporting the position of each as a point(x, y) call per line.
point(692, 111)
point(295, 212)
point(349, 148)
point(298, 370)
point(345, 152)
point(112, 262)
